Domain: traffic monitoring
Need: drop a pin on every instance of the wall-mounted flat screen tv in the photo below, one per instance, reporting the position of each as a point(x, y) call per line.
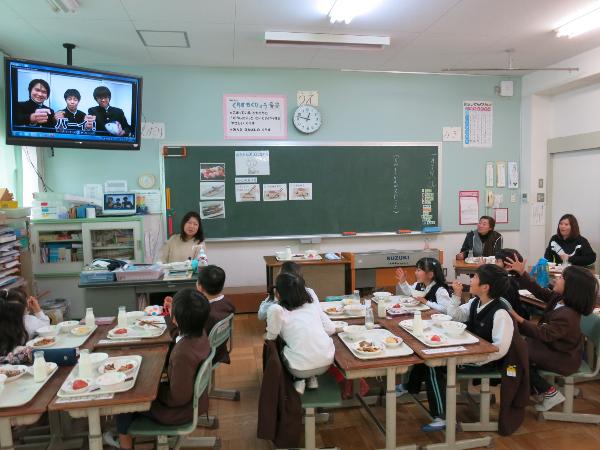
point(50, 105)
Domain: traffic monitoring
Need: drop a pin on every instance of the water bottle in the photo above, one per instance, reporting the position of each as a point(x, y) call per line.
point(39, 367)
point(356, 296)
point(122, 317)
point(85, 364)
point(470, 256)
point(369, 318)
point(202, 258)
point(381, 308)
point(90, 320)
point(417, 324)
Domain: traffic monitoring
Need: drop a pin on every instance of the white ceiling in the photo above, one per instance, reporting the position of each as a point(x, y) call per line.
point(427, 35)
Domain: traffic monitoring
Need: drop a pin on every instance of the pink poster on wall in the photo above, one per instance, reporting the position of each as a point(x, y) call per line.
point(468, 207)
point(254, 116)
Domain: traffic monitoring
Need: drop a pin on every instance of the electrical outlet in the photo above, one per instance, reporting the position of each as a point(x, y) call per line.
point(540, 183)
point(540, 197)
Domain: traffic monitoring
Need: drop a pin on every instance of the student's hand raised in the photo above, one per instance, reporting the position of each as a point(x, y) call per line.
point(400, 275)
point(515, 265)
point(457, 288)
point(33, 305)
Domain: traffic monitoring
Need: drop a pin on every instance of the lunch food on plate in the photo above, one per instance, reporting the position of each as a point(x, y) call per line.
point(391, 340)
point(367, 347)
point(435, 338)
point(120, 331)
point(79, 384)
point(11, 371)
point(44, 342)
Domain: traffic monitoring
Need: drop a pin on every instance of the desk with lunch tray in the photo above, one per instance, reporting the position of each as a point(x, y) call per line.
point(137, 399)
point(353, 368)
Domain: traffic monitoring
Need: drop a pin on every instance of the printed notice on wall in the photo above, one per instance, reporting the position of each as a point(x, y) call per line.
point(468, 207)
point(427, 198)
point(212, 210)
point(249, 116)
point(252, 162)
point(478, 124)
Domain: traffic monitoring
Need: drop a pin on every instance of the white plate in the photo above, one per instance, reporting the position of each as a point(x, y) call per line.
point(114, 364)
point(149, 325)
point(33, 342)
point(340, 325)
point(81, 330)
point(20, 368)
point(443, 340)
point(121, 335)
point(68, 386)
point(398, 342)
point(330, 311)
point(111, 379)
point(48, 331)
point(358, 349)
point(68, 325)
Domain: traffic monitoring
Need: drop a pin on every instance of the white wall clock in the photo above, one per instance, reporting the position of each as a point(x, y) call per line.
point(307, 119)
point(147, 180)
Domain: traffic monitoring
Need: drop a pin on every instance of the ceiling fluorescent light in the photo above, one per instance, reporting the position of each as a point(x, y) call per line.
point(67, 6)
point(586, 21)
point(346, 10)
point(326, 40)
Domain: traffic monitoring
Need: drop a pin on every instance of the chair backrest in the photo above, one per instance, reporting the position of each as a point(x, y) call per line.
point(590, 327)
point(221, 332)
point(201, 383)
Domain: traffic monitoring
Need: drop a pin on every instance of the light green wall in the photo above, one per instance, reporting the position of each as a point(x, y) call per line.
point(10, 156)
point(355, 107)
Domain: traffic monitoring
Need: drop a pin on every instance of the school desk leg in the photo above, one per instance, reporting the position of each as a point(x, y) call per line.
point(6, 440)
point(390, 409)
point(451, 443)
point(95, 430)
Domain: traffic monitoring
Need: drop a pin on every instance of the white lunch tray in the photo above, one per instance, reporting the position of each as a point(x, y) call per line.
point(66, 339)
point(465, 338)
point(123, 387)
point(377, 336)
point(22, 391)
point(344, 316)
point(138, 333)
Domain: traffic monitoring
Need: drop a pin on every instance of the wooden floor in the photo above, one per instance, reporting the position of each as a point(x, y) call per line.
point(352, 429)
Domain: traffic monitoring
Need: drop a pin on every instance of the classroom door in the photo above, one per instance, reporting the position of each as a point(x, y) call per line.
point(575, 189)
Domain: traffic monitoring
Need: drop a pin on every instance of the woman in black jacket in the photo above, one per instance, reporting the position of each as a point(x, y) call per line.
point(484, 241)
point(567, 245)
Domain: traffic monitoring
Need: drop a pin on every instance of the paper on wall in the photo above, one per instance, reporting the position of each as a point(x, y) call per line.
point(513, 175)
point(301, 191)
point(478, 124)
point(274, 192)
point(468, 202)
point(501, 174)
point(252, 162)
point(247, 193)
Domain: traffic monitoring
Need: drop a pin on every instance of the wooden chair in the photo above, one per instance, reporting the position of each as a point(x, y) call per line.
point(145, 426)
point(590, 326)
point(220, 334)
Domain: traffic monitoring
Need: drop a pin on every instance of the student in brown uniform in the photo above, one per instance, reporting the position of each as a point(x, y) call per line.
point(211, 280)
point(173, 404)
point(556, 342)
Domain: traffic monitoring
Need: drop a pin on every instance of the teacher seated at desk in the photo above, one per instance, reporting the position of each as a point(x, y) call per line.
point(483, 242)
point(185, 245)
point(568, 246)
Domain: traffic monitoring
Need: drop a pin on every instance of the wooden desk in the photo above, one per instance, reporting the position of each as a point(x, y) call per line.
point(463, 268)
point(31, 412)
point(354, 368)
point(139, 398)
point(324, 276)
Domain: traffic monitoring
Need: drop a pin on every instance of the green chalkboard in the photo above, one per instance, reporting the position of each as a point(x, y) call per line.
point(379, 187)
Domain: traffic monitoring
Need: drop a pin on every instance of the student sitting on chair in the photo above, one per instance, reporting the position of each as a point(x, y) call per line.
point(173, 404)
point(304, 327)
point(13, 334)
point(286, 267)
point(431, 281)
point(512, 295)
point(556, 342)
point(486, 316)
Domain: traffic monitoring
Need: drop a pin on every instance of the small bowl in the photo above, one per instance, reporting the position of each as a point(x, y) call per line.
point(392, 341)
point(438, 319)
point(98, 358)
point(132, 316)
point(350, 301)
point(111, 379)
point(355, 333)
point(381, 294)
point(68, 387)
point(455, 329)
point(68, 325)
point(354, 309)
point(81, 330)
point(50, 330)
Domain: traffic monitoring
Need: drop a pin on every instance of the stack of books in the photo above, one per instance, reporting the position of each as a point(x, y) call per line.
point(9, 259)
